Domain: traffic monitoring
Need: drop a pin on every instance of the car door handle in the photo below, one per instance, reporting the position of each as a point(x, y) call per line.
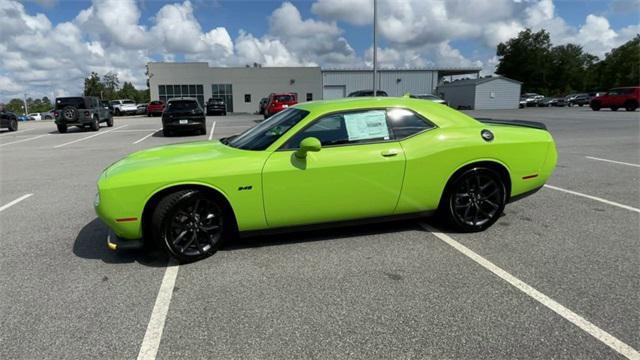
point(390, 152)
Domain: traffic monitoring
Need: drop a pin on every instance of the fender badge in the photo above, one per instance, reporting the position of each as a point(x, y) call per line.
point(486, 135)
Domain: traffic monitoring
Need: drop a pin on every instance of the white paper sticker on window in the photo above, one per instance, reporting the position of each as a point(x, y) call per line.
point(366, 125)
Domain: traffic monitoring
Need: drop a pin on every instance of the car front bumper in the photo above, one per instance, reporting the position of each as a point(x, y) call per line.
point(117, 243)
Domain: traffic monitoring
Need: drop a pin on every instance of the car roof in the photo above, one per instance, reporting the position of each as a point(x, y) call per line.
point(441, 115)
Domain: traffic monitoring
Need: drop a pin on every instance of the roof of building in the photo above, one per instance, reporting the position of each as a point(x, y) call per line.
point(478, 81)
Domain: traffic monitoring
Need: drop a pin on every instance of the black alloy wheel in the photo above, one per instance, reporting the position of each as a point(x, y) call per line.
point(189, 225)
point(475, 200)
point(69, 113)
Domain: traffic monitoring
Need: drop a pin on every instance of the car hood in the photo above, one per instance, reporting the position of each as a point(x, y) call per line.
point(171, 158)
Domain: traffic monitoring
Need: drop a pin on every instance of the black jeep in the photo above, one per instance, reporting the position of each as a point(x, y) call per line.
point(81, 111)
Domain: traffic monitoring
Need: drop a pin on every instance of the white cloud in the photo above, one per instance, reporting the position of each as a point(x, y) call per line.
point(357, 12)
point(113, 35)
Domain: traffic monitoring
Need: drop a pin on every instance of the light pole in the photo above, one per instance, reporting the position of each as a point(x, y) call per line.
point(375, 50)
point(26, 107)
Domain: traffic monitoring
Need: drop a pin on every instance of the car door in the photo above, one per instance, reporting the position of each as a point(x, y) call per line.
point(357, 173)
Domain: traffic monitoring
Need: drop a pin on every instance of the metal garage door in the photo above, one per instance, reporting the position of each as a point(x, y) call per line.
point(333, 92)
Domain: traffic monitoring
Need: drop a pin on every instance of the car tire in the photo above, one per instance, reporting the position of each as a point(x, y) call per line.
point(117, 112)
point(630, 105)
point(474, 200)
point(595, 106)
point(110, 121)
point(614, 108)
point(13, 125)
point(190, 225)
point(62, 128)
point(167, 132)
point(95, 124)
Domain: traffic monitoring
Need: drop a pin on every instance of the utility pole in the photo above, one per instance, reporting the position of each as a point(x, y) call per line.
point(26, 107)
point(375, 50)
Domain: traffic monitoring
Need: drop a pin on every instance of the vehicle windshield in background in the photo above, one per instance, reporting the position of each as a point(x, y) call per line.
point(77, 102)
point(428, 97)
point(264, 134)
point(183, 105)
point(284, 98)
point(128, 102)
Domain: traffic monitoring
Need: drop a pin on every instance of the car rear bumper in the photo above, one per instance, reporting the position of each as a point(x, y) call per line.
point(216, 108)
point(191, 123)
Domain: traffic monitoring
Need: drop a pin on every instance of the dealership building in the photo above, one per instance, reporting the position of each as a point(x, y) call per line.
point(242, 87)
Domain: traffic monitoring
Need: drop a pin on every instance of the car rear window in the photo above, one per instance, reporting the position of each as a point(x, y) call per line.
point(284, 98)
point(155, 103)
point(183, 105)
point(77, 102)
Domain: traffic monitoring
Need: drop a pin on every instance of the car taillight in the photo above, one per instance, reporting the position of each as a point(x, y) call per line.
point(55, 114)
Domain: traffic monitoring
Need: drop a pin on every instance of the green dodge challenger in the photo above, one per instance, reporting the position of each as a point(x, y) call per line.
point(324, 162)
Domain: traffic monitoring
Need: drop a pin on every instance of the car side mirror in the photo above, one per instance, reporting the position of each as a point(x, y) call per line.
point(306, 145)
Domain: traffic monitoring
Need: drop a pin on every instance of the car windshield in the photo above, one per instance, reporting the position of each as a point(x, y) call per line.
point(264, 134)
point(77, 102)
point(128, 102)
point(183, 105)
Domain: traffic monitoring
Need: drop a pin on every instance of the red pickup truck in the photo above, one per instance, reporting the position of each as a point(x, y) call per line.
point(622, 97)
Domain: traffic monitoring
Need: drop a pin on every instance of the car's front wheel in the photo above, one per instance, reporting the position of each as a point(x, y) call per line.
point(595, 106)
point(190, 225)
point(474, 200)
point(95, 124)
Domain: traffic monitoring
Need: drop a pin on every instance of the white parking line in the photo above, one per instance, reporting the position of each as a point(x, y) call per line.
point(613, 161)
point(612, 203)
point(23, 197)
point(134, 130)
point(556, 307)
point(213, 128)
point(18, 132)
point(147, 136)
point(23, 140)
point(89, 137)
point(153, 335)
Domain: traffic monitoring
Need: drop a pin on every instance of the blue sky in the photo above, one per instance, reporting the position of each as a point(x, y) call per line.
point(123, 35)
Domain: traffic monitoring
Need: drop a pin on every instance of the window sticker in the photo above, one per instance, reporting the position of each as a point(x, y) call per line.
point(366, 125)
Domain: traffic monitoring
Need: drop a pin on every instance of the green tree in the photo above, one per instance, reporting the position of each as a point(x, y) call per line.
point(15, 105)
point(568, 68)
point(92, 85)
point(128, 91)
point(526, 58)
point(111, 85)
point(620, 67)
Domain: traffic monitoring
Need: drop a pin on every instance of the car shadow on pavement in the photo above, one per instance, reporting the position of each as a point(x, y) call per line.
point(91, 243)
point(331, 233)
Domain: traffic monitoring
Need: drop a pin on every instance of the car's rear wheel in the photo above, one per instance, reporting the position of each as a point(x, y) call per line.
point(62, 128)
point(474, 200)
point(630, 106)
point(13, 125)
point(190, 225)
point(110, 121)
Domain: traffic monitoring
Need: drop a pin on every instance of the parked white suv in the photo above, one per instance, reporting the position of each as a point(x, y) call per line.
point(124, 107)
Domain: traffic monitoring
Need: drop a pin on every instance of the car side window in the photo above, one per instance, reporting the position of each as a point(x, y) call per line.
point(405, 123)
point(345, 128)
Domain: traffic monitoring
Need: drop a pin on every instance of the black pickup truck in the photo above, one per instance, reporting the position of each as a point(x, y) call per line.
point(81, 111)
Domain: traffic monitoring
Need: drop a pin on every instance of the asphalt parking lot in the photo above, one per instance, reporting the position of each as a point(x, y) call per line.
point(557, 277)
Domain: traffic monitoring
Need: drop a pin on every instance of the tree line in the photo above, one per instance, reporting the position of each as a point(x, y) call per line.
point(108, 88)
point(559, 70)
point(34, 105)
